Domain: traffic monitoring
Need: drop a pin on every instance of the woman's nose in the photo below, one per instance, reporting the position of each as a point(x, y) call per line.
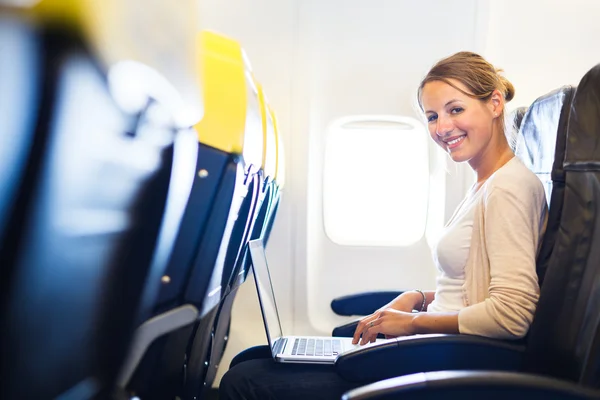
point(444, 126)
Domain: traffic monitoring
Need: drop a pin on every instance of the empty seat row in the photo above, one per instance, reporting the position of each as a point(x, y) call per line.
point(240, 144)
point(126, 199)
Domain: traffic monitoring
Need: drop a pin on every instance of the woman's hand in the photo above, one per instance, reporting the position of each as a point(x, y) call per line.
point(390, 322)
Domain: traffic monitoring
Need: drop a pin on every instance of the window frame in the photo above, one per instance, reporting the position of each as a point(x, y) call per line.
point(366, 123)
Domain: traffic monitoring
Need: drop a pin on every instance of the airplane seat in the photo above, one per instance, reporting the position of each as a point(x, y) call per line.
point(264, 351)
point(253, 227)
point(529, 125)
point(270, 165)
point(229, 156)
point(513, 125)
point(83, 209)
point(20, 93)
point(239, 273)
point(517, 116)
point(208, 341)
point(545, 158)
point(562, 356)
point(279, 183)
point(270, 157)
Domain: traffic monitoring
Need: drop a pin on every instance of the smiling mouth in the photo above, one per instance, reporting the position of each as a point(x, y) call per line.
point(455, 142)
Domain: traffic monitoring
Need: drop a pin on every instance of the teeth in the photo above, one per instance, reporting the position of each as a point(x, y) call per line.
point(456, 140)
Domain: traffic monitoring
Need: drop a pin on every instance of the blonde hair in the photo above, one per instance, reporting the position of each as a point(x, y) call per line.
point(479, 77)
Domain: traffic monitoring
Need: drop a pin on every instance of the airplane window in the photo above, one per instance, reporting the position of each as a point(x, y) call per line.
point(376, 181)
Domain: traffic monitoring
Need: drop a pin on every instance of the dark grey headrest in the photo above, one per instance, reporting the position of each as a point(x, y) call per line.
point(513, 124)
point(584, 124)
point(541, 144)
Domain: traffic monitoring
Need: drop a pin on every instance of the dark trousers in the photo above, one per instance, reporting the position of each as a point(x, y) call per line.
point(264, 379)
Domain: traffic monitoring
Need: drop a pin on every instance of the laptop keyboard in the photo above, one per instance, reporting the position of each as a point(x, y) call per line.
point(316, 347)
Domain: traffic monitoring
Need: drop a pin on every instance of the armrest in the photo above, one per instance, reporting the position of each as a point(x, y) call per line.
point(151, 330)
point(422, 353)
point(448, 385)
point(362, 303)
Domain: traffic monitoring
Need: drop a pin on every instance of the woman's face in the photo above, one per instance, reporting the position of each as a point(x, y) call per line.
point(461, 125)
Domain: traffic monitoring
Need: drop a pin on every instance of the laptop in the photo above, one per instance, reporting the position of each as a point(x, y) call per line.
point(291, 349)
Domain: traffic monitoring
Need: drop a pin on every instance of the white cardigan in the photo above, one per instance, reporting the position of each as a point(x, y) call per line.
point(501, 287)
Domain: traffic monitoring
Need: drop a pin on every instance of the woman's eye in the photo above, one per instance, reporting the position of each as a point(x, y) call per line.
point(456, 110)
point(431, 118)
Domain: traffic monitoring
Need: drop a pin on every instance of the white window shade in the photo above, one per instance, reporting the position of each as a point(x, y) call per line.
point(376, 181)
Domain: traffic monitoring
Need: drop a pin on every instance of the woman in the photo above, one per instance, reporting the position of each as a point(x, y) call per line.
point(487, 283)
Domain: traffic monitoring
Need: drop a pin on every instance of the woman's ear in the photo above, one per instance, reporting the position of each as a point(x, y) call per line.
point(497, 103)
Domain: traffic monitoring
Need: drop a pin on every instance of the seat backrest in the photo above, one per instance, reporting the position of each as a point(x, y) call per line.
point(83, 226)
point(248, 219)
point(541, 146)
point(223, 318)
point(229, 157)
point(203, 345)
point(227, 71)
point(517, 116)
point(279, 182)
point(269, 164)
point(229, 152)
point(513, 126)
point(564, 339)
point(20, 92)
point(265, 199)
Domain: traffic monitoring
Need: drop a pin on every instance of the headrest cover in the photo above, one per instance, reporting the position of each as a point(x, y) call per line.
point(280, 166)
point(584, 125)
point(280, 175)
point(269, 160)
point(254, 138)
point(137, 30)
point(222, 71)
point(538, 145)
point(513, 124)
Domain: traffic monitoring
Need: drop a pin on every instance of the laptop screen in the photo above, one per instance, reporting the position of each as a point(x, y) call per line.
point(264, 287)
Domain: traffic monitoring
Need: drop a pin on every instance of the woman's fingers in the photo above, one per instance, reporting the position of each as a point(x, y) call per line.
point(368, 328)
point(371, 331)
point(390, 323)
point(358, 331)
point(362, 327)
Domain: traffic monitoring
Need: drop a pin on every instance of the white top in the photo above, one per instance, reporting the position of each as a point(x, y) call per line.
point(450, 256)
point(501, 288)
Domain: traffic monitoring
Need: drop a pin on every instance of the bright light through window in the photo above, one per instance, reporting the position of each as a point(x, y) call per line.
point(376, 181)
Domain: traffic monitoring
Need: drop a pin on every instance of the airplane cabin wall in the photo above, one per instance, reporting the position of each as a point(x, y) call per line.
point(322, 60)
point(543, 44)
